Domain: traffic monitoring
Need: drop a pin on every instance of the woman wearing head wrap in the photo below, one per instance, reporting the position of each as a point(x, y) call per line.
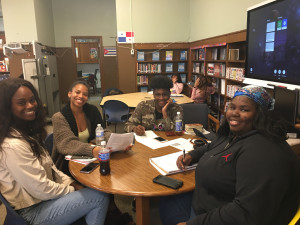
point(248, 175)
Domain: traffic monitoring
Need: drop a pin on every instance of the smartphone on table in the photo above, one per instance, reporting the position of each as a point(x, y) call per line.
point(89, 167)
point(160, 139)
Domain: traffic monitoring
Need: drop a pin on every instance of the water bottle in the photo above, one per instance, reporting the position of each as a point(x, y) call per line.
point(99, 134)
point(178, 124)
point(104, 158)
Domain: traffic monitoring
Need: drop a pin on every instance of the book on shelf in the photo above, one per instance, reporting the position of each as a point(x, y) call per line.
point(196, 67)
point(231, 89)
point(143, 89)
point(169, 67)
point(183, 78)
point(233, 54)
point(142, 80)
point(169, 55)
point(235, 73)
point(210, 69)
point(166, 164)
point(202, 68)
point(140, 56)
point(222, 86)
point(155, 56)
point(219, 70)
point(181, 67)
point(214, 53)
point(201, 54)
point(183, 55)
point(223, 53)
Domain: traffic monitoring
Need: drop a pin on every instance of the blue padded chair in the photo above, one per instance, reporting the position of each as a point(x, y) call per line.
point(49, 143)
point(11, 217)
point(115, 112)
point(195, 113)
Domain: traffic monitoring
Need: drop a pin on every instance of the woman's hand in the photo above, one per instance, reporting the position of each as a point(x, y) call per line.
point(164, 109)
point(197, 82)
point(128, 148)
point(96, 151)
point(139, 130)
point(76, 185)
point(182, 162)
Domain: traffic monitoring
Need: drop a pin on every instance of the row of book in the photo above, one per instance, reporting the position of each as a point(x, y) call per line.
point(149, 68)
point(218, 53)
point(231, 89)
point(199, 54)
point(142, 80)
point(235, 73)
point(198, 68)
point(156, 55)
point(216, 69)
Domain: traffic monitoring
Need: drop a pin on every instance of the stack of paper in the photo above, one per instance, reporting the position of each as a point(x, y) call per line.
point(167, 164)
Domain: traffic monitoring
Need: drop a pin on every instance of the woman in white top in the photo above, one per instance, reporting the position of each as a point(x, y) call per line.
point(29, 180)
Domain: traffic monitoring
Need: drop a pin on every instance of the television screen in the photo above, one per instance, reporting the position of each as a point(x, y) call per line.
point(273, 42)
point(286, 103)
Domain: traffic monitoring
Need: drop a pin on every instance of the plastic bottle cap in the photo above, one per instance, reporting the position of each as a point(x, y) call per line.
point(103, 143)
point(178, 113)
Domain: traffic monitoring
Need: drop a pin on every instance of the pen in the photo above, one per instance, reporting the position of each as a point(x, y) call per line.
point(183, 153)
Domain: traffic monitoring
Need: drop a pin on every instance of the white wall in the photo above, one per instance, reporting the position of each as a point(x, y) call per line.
point(155, 20)
point(19, 20)
point(44, 22)
point(84, 18)
point(217, 17)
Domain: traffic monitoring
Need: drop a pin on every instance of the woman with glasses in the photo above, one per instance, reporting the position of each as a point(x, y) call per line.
point(156, 114)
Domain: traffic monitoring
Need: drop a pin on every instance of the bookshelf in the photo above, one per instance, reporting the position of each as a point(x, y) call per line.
point(224, 62)
point(153, 61)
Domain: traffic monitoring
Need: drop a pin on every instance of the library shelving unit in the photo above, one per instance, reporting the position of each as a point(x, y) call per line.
point(153, 61)
point(224, 62)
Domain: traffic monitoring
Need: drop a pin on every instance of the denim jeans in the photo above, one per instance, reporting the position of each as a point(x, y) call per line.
point(174, 209)
point(91, 204)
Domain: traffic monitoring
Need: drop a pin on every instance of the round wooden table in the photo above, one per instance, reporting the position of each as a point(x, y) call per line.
point(132, 174)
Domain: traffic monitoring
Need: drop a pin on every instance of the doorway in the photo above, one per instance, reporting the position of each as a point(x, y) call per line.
point(88, 55)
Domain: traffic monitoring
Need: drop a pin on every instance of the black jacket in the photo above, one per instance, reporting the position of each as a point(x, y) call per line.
point(253, 180)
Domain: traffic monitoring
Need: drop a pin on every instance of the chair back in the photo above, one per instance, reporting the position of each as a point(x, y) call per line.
point(115, 111)
point(11, 217)
point(195, 113)
point(296, 218)
point(49, 143)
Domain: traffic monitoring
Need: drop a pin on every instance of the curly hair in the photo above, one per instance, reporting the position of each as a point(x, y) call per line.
point(34, 131)
point(205, 82)
point(161, 82)
point(265, 122)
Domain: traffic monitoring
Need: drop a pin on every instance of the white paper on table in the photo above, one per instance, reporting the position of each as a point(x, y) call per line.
point(181, 143)
point(81, 161)
point(149, 141)
point(118, 142)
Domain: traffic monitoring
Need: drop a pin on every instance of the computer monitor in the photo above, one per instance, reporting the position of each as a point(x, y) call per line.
point(286, 103)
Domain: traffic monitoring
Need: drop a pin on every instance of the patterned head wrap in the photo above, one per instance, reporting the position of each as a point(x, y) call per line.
point(257, 94)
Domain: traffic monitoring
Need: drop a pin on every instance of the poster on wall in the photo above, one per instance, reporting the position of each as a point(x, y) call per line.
point(125, 37)
point(93, 53)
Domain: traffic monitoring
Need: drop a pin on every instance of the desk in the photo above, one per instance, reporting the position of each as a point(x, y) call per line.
point(133, 99)
point(132, 174)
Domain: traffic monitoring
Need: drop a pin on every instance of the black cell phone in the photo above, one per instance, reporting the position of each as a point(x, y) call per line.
point(89, 168)
point(160, 139)
point(168, 181)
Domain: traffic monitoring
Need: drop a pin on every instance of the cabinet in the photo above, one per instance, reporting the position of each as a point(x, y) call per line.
point(166, 62)
point(225, 64)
